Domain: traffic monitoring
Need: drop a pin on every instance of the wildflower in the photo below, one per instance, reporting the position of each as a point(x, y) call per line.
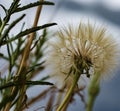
point(84, 49)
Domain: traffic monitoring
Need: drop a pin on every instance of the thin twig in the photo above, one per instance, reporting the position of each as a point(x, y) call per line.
point(23, 64)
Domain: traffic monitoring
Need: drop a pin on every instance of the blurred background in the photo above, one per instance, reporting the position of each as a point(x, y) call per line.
point(103, 12)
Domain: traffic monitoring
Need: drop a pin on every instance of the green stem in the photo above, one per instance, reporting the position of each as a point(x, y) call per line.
point(93, 92)
point(8, 15)
point(2, 27)
point(70, 91)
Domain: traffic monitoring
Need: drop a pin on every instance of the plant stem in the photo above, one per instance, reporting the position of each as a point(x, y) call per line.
point(7, 18)
point(93, 91)
point(23, 67)
point(2, 27)
point(25, 57)
point(70, 91)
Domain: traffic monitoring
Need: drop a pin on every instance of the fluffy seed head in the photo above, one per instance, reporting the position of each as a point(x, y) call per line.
point(84, 49)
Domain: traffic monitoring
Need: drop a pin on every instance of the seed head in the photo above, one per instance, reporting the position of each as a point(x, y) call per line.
point(83, 49)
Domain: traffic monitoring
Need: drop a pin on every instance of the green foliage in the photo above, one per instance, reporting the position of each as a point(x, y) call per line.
point(33, 5)
point(18, 79)
point(25, 32)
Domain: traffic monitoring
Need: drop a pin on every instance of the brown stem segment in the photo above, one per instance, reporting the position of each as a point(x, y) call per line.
point(23, 66)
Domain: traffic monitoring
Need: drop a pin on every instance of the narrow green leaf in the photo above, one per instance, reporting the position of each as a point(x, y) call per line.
point(46, 77)
point(9, 56)
point(11, 26)
point(11, 84)
point(31, 5)
point(0, 21)
point(13, 6)
point(38, 83)
point(11, 10)
point(32, 68)
point(28, 31)
point(3, 8)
